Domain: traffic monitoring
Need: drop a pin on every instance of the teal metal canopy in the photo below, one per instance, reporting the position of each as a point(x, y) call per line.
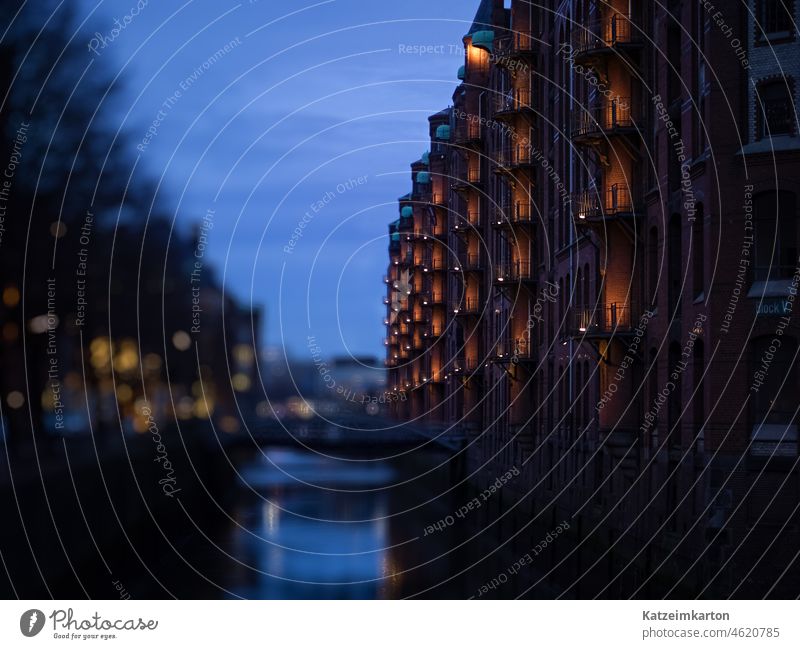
point(443, 132)
point(483, 39)
point(408, 211)
point(426, 157)
point(462, 72)
point(424, 177)
point(395, 237)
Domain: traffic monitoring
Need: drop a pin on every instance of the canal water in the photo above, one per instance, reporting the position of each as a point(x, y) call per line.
point(303, 525)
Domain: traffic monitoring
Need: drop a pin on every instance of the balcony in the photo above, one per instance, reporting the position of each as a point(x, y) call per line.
point(466, 365)
point(437, 297)
point(437, 198)
point(438, 264)
point(468, 132)
point(520, 214)
point(523, 214)
point(422, 261)
point(467, 306)
point(462, 224)
point(514, 101)
point(608, 35)
point(523, 351)
point(471, 180)
point(514, 272)
point(470, 262)
point(517, 46)
point(405, 260)
point(422, 232)
point(615, 117)
point(602, 320)
point(513, 159)
point(431, 331)
point(503, 350)
point(616, 201)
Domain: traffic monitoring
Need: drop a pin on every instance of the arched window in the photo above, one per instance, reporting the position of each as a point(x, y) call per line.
point(775, 108)
point(775, 216)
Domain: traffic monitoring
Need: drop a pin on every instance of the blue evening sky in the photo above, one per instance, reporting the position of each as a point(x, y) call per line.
point(312, 95)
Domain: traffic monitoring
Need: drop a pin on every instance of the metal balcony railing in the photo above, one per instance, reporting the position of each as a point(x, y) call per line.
point(467, 306)
point(522, 43)
point(503, 349)
point(617, 199)
point(523, 349)
point(605, 33)
point(523, 213)
point(463, 365)
point(474, 175)
point(515, 271)
point(468, 130)
point(513, 101)
point(469, 262)
point(610, 116)
point(437, 297)
point(602, 319)
point(422, 231)
point(523, 156)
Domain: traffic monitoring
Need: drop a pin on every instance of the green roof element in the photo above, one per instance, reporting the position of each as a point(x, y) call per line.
point(483, 39)
point(462, 72)
point(426, 157)
point(408, 211)
point(424, 177)
point(443, 132)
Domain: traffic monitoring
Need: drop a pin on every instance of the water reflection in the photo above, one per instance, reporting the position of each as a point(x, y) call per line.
point(311, 527)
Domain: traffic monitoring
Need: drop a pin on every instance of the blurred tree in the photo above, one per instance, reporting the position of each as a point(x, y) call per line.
point(61, 159)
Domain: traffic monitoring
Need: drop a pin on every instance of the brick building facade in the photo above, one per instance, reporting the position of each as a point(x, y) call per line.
point(594, 277)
